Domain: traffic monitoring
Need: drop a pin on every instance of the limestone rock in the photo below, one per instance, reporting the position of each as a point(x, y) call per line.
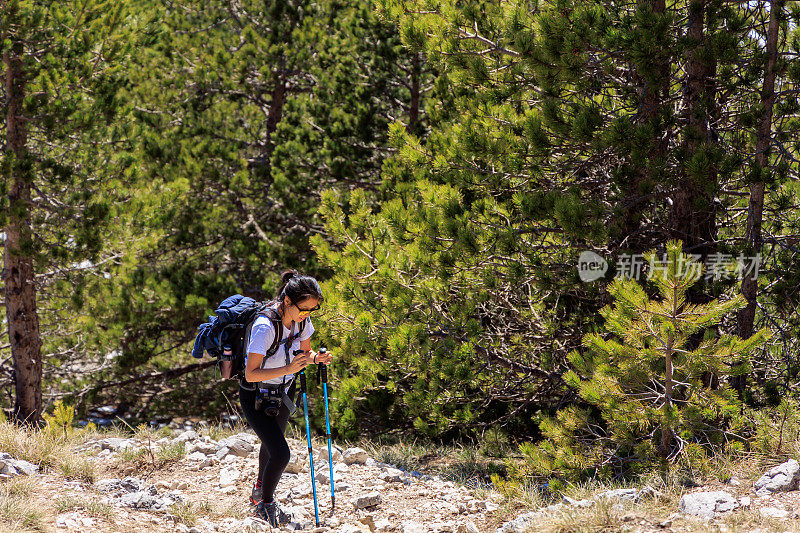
point(521, 524)
point(253, 525)
point(207, 448)
point(392, 475)
point(236, 445)
point(15, 467)
point(117, 486)
point(412, 527)
point(774, 512)
point(708, 504)
point(116, 444)
point(322, 454)
point(619, 494)
point(354, 456)
point(783, 477)
point(371, 499)
point(577, 503)
point(229, 476)
point(297, 464)
point(187, 436)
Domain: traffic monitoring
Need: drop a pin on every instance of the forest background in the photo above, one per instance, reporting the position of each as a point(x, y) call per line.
point(440, 167)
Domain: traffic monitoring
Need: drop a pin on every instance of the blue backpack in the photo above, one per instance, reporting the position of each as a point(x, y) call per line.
point(225, 335)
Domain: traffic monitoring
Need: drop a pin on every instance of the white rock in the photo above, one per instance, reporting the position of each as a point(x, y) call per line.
point(322, 454)
point(354, 456)
point(568, 501)
point(129, 484)
point(774, 512)
point(236, 445)
point(13, 467)
point(475, 506)
point(138, 500)
point(619, 494)
point(229, 477)
point(196, 456)
point(708, 504)
point(392, 475)
point(783, 477)
point(745, 501)
point(187, 436)
point(323, 475)
point(384, 525)
point(522, 524)
point(297, 464)
point(208, 448)
point(206, 462)
point(413, 527)
point(222, 452)
point(371, 499)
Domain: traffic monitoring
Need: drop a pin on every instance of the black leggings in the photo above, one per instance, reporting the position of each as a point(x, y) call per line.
point(274, 453)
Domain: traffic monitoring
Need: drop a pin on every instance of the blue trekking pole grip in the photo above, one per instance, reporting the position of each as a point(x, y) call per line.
point(324, 372)
point(308, 437)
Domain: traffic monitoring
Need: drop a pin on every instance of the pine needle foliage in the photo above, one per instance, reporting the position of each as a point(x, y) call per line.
point(645, 399)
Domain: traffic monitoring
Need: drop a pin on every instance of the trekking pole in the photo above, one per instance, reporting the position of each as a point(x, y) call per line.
point(323, 369)
point(308, 437)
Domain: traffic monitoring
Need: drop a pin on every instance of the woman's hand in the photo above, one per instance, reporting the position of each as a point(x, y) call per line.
point(321, 357)
point(300, 361)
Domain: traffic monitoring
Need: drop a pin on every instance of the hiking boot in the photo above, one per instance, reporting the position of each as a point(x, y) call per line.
point(261, 512)
point(255, 496)
point(271, 513)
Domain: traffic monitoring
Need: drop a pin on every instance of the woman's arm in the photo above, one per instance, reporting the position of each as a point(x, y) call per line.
point(253, 373)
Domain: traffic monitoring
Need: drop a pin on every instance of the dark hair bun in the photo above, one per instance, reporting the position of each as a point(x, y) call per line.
point(298, 287)
point(286, 276)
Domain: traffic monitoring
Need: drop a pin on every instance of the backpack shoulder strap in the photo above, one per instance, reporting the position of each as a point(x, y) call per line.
point(277, 325)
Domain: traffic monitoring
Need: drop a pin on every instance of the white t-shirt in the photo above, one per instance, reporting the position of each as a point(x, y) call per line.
point(262, 334)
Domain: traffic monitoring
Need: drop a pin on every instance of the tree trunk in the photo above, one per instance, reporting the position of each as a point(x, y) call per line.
point(692, 214)
point(277, 101)
point(413, 106)
point(745, 318)
point(654, 88)
point(753, 239)
point(18, 274)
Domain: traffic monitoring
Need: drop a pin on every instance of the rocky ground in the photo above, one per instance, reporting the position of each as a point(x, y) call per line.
point(189, 482)
point(138, 488)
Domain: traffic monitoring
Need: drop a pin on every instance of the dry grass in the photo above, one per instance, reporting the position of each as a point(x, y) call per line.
point(189, 512)
point(77, 467)
point(37, 447)
point(101, 510)
point(219, 432)
point(18, 512)
point(151, 456)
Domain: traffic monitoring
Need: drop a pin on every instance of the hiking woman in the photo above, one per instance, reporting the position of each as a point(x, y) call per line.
point(267, 392)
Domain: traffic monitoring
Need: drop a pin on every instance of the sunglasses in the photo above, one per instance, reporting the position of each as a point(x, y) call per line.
point(309, 311)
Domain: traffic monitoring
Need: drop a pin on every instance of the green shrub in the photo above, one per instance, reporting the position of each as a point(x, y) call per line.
point(644, 397)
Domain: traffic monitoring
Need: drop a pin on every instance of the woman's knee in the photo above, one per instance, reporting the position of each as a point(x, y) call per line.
point(282, 455)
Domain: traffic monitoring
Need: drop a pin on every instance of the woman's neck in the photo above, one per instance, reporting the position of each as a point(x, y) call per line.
point(284, 319)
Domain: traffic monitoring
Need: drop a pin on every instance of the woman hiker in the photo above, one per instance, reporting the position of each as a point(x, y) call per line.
point(268, 389)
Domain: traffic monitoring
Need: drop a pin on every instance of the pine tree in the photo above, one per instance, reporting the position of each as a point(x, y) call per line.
point(61, 76)
point(643, 399)
point(555, 127)
point(241, 116)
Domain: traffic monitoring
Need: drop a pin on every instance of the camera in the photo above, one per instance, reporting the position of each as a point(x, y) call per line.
point(270, 401)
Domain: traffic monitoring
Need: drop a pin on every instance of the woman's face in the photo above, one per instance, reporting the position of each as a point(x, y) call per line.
point(303, 309)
